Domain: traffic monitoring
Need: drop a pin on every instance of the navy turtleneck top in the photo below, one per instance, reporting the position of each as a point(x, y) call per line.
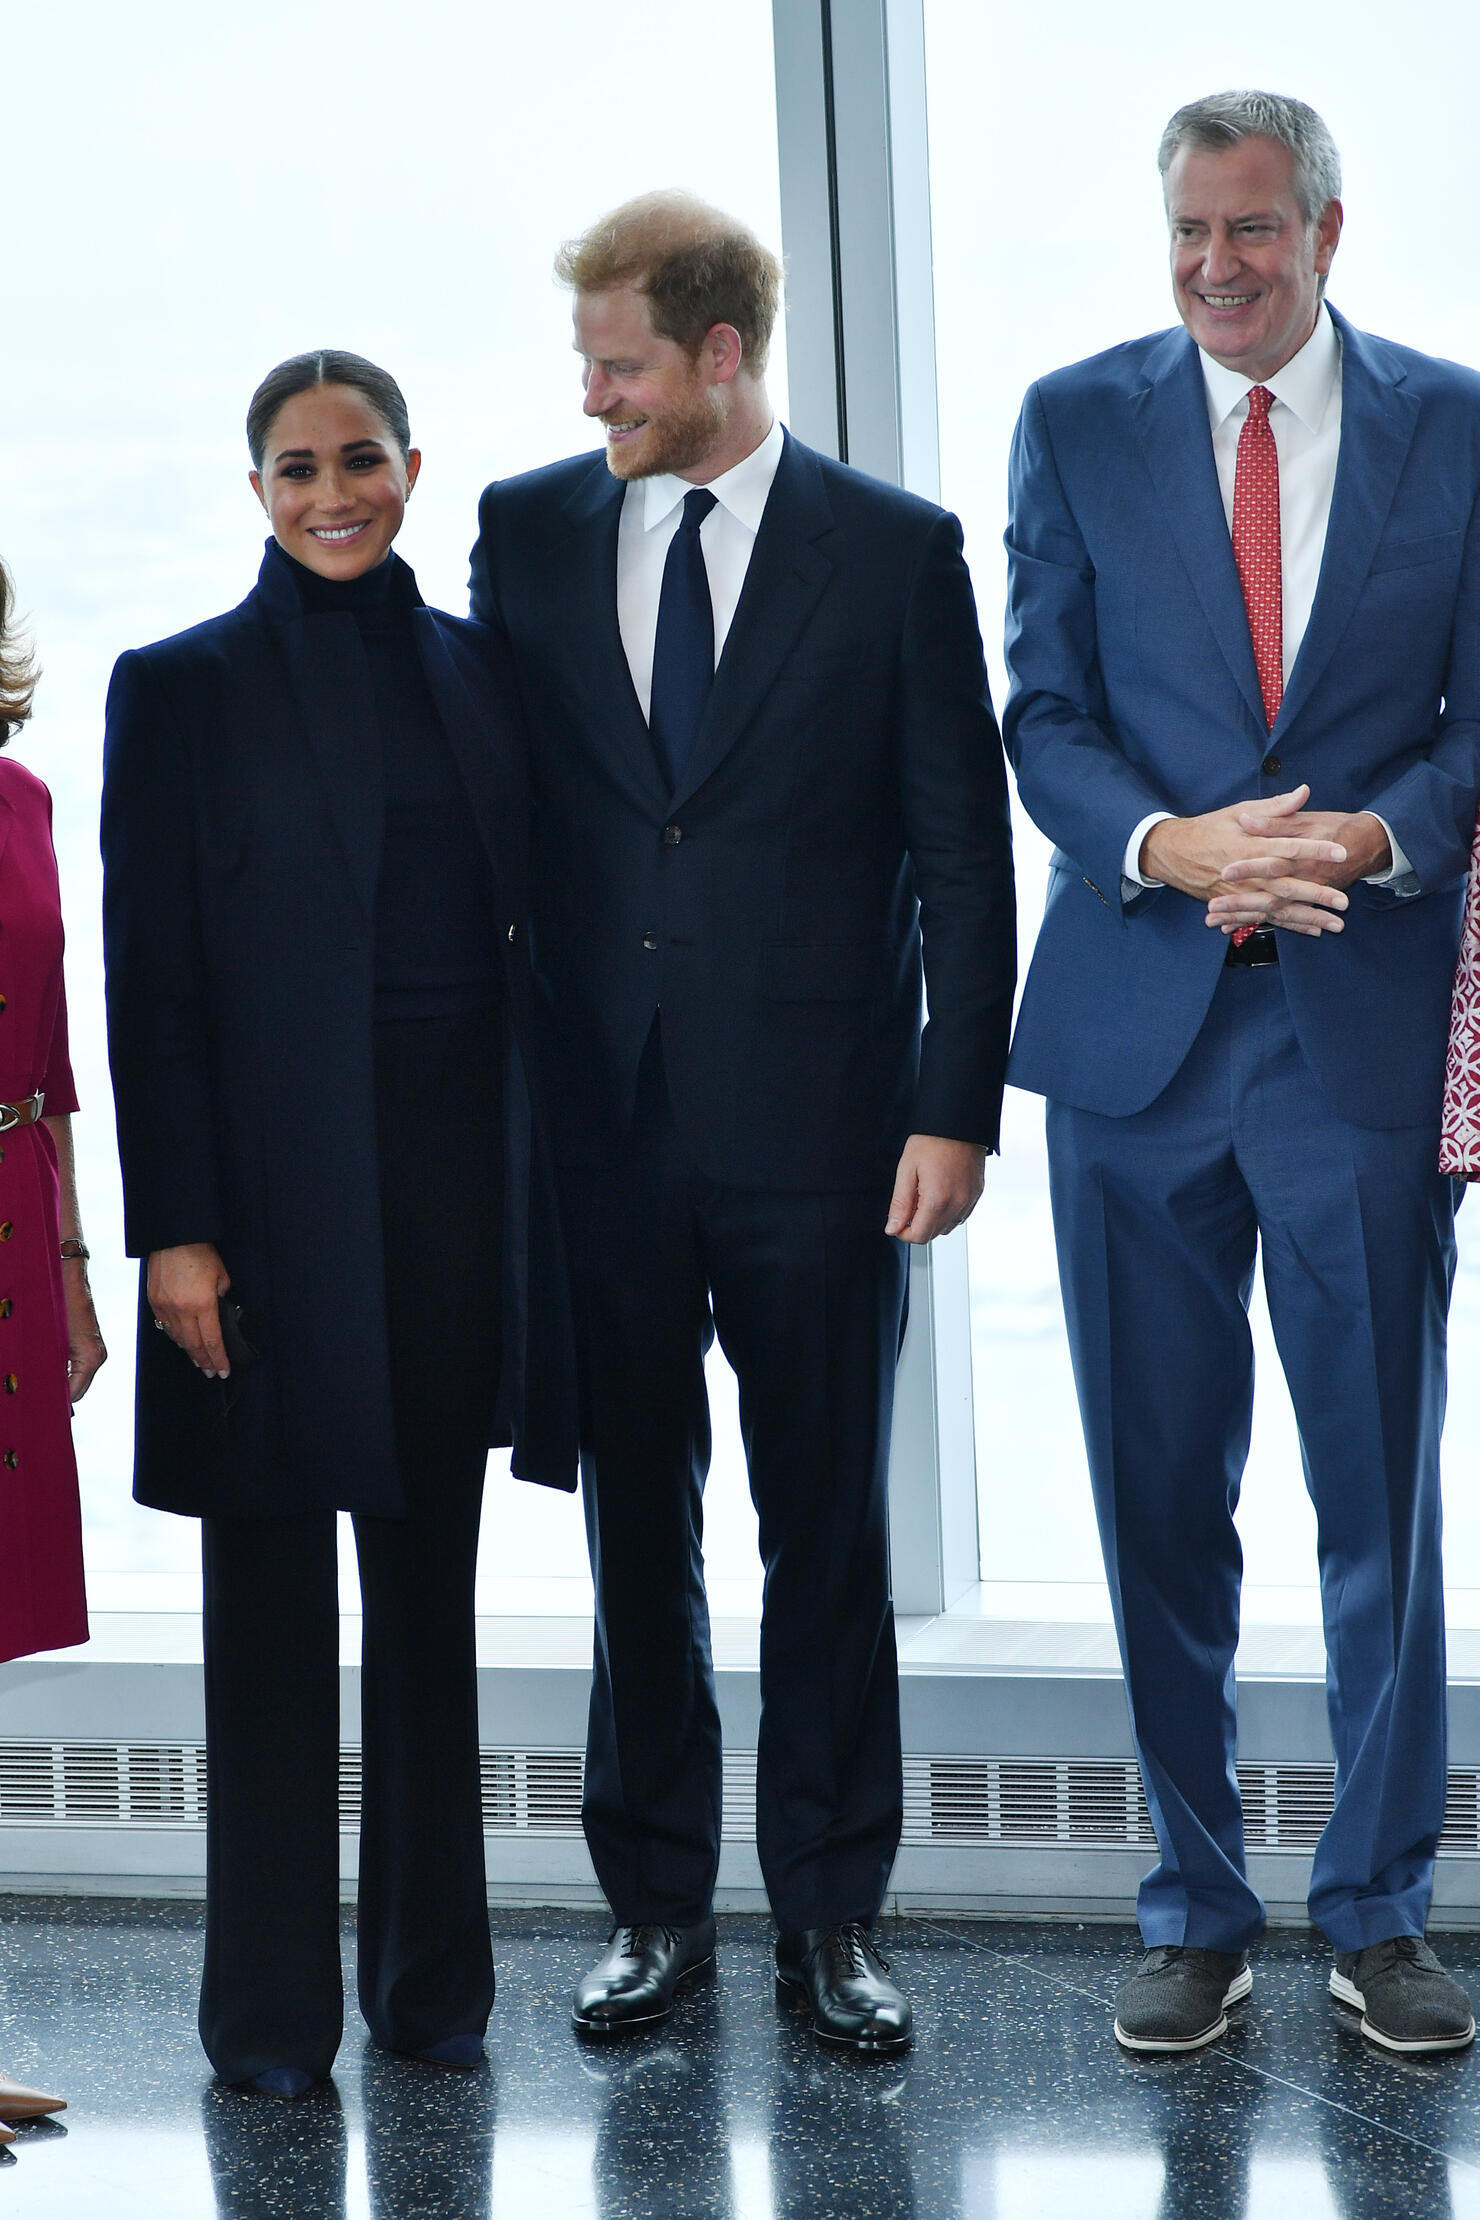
point(436, 912)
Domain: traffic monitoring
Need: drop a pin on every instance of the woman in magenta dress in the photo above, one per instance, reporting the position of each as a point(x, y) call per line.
point(50, 1346)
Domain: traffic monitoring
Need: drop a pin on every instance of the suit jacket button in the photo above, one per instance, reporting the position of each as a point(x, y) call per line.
point(7, 1229)
point(12, 1458)
point(6, 1306)
point(1270, 766)
point(649, 941)
point(513, 934)
point(672, 835)
point(2, 1001)
point(12, 1382)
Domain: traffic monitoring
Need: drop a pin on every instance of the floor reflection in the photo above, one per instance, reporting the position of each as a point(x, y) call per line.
point(429, 2138)
point(1014, 2105)
point(269, 2161)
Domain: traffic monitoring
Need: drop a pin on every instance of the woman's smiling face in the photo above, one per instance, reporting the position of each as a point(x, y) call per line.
point(334, 482)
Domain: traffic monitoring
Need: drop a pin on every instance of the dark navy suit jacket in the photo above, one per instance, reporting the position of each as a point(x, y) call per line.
point(1134, 689)
point(846, 789)
point(242, 819)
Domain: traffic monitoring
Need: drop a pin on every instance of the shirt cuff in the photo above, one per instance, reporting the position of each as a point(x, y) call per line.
point(1399, 869)
point(1132, 882)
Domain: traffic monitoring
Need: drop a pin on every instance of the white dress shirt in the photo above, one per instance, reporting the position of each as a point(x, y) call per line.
point(651, 509)
point(1305, 418)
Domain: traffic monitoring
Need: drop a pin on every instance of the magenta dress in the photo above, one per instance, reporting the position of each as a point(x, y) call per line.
point(42, 1604)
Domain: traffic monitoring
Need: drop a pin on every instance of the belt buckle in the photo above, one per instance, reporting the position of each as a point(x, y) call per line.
point(1259, 951)
point(13, 1114)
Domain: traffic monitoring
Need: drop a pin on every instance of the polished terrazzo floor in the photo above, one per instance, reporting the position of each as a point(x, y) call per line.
point(1014, 2105)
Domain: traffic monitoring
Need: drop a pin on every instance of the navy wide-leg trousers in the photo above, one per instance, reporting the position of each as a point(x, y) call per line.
point(271, 1991)
point(1157, 1218)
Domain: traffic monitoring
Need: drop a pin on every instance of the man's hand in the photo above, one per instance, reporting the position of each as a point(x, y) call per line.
point(936, 1188)
point(185, 1287)
point(1252, 895)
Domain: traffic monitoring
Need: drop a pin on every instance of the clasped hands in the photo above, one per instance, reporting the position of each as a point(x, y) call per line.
point(1268, 862)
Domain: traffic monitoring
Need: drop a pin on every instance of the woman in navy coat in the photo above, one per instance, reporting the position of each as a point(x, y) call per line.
point(314, 824)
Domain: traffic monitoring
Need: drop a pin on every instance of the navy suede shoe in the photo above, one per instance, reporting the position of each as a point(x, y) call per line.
point(458, 2050)
point(281, 2081)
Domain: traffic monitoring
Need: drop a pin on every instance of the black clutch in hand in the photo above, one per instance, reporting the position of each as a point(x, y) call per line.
point(239, 1351)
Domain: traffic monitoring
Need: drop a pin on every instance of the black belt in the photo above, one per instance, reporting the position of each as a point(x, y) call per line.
point(1261, 947)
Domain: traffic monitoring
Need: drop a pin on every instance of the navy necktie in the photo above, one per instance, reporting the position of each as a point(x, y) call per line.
point(683, 653)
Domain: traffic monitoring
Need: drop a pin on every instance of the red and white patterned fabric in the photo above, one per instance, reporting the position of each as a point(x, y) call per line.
point(1459, 1131)
point(1256, 546)
point(1256, 550)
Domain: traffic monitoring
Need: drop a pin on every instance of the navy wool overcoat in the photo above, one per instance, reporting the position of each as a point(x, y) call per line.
point(242, 818)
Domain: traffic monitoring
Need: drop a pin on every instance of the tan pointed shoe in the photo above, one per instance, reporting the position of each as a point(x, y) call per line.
point(18, 2103)
point(7, 2134)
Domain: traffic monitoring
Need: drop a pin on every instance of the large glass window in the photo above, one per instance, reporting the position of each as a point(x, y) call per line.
point(196, 193)
point(1049, 244)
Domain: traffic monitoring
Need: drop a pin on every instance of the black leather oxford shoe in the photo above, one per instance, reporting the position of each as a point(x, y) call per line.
point(843, 1978)
point(633, 1984)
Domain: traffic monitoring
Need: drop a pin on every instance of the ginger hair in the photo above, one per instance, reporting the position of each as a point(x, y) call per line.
point(695, 266)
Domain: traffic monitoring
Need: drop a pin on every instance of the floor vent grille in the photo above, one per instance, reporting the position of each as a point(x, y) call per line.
point(1078, 1802)
point(525, 1792)
point(104, 1783)
point(1084, 1803)
point(986, 1802)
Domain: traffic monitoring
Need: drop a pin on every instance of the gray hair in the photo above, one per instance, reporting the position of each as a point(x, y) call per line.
point(1220, 121)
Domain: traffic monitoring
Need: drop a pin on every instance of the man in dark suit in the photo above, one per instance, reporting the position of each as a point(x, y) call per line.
point(764, 762)
point(1244, 638)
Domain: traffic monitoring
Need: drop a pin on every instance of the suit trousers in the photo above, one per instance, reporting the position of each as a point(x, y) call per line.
point(1157, 1218)
point(271, 1993)
point(807, 1296)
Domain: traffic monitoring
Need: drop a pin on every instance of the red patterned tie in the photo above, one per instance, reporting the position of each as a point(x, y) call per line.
point(1256, 546)
point(1256, 550)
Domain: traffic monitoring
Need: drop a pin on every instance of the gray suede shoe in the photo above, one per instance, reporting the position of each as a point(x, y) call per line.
point(1177, 1999)
point(1407, 2001)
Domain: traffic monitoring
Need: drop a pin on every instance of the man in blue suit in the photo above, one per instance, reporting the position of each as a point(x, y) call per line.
point(767, 784)
point(1244, 638)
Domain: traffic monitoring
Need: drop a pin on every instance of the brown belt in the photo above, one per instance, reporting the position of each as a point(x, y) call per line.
point(21, 1113)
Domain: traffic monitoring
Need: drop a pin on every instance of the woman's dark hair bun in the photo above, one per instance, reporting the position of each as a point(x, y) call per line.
point(325, 366)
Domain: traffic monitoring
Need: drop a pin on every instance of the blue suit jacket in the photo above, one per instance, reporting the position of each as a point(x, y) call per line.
point(1134, 689)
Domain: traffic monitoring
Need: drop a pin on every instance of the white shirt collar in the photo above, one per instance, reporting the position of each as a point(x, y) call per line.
point(1305, 385)
point(742, 489)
